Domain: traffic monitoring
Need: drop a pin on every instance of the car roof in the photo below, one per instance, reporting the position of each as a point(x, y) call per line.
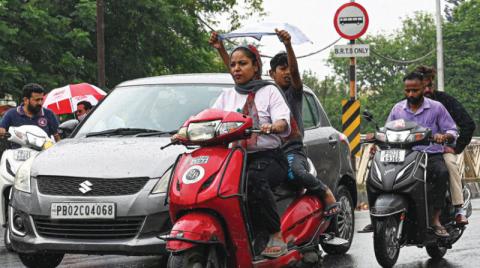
point(198, 78)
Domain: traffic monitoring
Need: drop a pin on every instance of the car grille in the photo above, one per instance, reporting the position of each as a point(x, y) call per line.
point(119, 228)
point(71, 186)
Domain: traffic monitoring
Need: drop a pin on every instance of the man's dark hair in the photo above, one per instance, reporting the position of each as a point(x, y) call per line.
point(28, 89)
point(428, 72)
point(413, 76)
point(86, 104)
point(281, 59)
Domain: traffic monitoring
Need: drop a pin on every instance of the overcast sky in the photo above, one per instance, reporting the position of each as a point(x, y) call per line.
point(315, 19)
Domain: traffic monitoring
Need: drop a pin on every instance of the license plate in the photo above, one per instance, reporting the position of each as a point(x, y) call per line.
point(392, 156)
point(22, 155)
point(78, 210)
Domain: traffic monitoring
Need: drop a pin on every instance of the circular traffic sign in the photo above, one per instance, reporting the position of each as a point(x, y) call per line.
point(351, 21)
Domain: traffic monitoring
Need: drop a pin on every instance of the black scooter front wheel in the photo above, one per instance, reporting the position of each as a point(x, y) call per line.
point(385, 242)
point(197, 257)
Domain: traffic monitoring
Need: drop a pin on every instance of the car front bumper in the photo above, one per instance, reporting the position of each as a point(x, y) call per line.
point(148, 211)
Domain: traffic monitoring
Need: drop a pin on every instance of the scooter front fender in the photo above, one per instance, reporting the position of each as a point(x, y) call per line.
point(389, 204)
point(195, 228)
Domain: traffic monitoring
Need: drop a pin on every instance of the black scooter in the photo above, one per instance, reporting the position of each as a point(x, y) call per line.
point(397, 189)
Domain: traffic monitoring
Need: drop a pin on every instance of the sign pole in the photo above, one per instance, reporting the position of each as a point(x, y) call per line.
point(351, 22)
point(352, 75)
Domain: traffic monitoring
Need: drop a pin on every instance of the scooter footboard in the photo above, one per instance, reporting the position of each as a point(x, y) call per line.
point(389, 204)
point(193, 229)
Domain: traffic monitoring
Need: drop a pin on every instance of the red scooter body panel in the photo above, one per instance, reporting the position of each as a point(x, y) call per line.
point(198, 227)
point(229, 209)
point(299, 222)
point(192, 171)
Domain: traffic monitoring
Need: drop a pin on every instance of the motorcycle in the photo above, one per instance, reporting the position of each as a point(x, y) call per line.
point(207, 197)
point(32, 140)
point(397, 194)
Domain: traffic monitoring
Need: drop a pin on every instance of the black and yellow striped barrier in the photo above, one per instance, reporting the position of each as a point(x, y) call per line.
point(351, 124)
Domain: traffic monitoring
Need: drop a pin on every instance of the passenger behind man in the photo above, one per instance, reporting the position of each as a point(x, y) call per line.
point(430, 114)
point(284, 71)
point(466, 127)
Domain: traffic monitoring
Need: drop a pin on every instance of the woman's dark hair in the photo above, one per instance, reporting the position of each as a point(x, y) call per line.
point(252, 53)
point(28, 89)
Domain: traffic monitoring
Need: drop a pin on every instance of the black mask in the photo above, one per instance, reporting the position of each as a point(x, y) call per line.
point(34, 109)
point(415, 100)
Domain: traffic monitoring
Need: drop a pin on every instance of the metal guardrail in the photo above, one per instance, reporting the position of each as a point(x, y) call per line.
point(468, 162)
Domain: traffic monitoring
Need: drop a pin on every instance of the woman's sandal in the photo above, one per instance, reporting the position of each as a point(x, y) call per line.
point(440, 231)
point(332, 210)
point(275, 248)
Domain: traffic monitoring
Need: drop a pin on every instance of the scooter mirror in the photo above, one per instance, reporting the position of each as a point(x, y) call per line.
point(367, 115)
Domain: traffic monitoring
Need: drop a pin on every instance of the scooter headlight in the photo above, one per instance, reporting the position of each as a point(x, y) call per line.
point(162, 184)
point(416, 137)
point(203, 131)
point(397, 136)
point(228, 127)
point(35, 141)
point(22, 178)
point(380, 136)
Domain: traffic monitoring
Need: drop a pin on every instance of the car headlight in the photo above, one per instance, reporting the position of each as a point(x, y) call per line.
point(162, 184)
point(35, 141)
point(22, 178)
point(397, 136)
point(202, 131)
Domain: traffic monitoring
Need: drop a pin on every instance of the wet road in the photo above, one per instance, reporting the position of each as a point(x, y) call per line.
point(465, 253)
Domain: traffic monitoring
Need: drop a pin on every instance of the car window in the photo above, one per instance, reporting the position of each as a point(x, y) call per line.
point(313, 113)
point(157, 107)
point(323, 118)
point(309, 119)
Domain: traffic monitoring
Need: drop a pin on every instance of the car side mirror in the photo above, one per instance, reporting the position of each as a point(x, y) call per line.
point(66, 128)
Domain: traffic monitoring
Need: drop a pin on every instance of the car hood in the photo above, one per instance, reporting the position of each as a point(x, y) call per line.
point(107, 157)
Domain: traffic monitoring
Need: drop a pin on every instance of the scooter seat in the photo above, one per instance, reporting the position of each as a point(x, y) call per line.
point(285, 190)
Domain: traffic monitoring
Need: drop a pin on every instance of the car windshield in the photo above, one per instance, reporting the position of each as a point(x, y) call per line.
point(160, 108)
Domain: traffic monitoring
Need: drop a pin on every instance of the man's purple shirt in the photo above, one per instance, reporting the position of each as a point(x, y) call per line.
point(431, 114)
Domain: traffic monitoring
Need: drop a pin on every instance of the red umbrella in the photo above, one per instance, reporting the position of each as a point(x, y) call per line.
point(64, 100)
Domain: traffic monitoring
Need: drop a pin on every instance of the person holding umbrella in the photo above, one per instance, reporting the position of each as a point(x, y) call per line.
point(284, 71)
point(31, 113)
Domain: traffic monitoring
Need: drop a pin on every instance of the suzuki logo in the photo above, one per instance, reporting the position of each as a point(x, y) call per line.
point(85, 187)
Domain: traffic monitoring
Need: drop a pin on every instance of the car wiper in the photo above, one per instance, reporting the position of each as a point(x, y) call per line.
point(120, 131)
point(156, 133)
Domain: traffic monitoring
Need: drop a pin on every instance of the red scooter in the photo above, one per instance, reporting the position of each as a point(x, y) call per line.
point(207, 196)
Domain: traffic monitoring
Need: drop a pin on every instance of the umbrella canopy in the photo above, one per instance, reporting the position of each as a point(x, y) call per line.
point(64, 100)
point(258, 30)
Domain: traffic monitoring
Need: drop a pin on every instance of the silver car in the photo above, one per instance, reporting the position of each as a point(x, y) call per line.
point(102, 191)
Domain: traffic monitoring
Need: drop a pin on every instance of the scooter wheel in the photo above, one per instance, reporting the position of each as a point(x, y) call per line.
point(385, 243)
point(197, 257)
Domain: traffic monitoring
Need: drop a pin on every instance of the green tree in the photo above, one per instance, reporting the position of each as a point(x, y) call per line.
point(462, 62)
point(54, 42)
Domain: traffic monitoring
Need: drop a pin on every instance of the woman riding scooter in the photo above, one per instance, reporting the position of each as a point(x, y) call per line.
point(267, 166)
